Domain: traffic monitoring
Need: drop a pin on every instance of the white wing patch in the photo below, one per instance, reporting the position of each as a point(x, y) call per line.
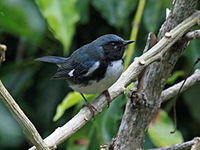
point(113, 72)
point(71, 73)
point(92, 69)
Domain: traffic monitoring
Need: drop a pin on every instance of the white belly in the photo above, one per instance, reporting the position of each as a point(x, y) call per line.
point(113, 72)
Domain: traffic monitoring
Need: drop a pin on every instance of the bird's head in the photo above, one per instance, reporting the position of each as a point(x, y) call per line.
point(113, 46)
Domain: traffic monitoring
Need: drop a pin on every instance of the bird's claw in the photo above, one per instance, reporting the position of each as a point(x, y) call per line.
point(91, 108)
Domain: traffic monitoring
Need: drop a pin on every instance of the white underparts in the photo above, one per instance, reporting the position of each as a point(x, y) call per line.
point(113, 72)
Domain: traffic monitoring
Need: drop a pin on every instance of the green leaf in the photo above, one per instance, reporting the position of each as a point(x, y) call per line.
point(70, 100)
point(191, 55)
point(22, 18)
point(159, 131)
point(174, 77)
point(114, 11)
point(128, 89)
point(62, 17)
point(152, 14)
point(83, 8)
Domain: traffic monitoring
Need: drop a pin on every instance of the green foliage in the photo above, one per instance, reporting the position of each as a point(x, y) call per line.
point(83, 9)
point(159, 131)
point(135, 27)
point(175, 76)
point(15, 19)
point(115, 12)
point(100, 130)
point(109, 120)
point(23, 30)
point(154, 13)
point(61, 17)
point(70, 100)
point(153, 9)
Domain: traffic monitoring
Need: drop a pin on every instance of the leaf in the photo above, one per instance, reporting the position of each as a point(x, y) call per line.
point(114, 11)
point(174, 77)
point(191, 55)
point(62, 17)
point(70, 100)
point(147, 143)
point(155, 13)
point(128, 89)
point(22, 18)
point(152, 14)
point(83, 8)
point(159, 131)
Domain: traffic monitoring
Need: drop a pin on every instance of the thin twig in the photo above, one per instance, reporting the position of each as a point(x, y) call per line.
point(28, 128)
point(173, 90)
point(174, 106)
point(131, 74)
point(193, 35)
point(181, 146)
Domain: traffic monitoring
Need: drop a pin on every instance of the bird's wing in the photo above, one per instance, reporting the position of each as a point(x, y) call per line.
point(52, 59)
point(84, 65)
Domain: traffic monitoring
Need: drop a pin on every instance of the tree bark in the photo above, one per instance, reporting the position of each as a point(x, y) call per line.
point(135, 121)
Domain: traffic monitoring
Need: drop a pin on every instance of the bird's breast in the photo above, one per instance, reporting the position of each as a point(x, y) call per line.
point(113, 72)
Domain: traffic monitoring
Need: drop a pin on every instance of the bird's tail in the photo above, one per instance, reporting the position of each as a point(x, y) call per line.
point(52, 59)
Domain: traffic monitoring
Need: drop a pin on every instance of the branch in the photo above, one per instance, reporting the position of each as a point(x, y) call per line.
point(182, 146)
point(135, 120)
point(131, 74)
point(172, 91)
point(193, 35)
point(28, 128)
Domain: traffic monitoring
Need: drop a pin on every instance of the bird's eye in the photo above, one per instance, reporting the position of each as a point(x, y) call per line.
point(113, 44)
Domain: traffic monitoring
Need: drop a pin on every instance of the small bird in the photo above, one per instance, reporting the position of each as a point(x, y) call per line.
point(92, 68)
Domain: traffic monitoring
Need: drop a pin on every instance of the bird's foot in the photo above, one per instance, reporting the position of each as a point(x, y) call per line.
point(108, 98)
point(88, 105)
point(91, 108)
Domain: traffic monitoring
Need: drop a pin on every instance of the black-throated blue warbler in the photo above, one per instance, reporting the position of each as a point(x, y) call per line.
point(92, 68)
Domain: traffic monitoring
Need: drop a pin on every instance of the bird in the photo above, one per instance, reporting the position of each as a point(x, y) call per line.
point(92, 68)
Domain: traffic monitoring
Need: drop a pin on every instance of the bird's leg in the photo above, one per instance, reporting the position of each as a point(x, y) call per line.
point(107, 94)
point(90, 106)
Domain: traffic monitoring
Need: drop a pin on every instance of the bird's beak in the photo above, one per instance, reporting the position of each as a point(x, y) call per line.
point(127, 42)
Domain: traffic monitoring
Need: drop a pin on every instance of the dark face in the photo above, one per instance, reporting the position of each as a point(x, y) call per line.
point(114, 50)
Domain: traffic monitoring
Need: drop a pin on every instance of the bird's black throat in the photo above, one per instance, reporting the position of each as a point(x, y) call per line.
point(113, 53)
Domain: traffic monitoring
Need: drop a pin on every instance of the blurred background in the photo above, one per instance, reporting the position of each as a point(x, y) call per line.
point(32, 29)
